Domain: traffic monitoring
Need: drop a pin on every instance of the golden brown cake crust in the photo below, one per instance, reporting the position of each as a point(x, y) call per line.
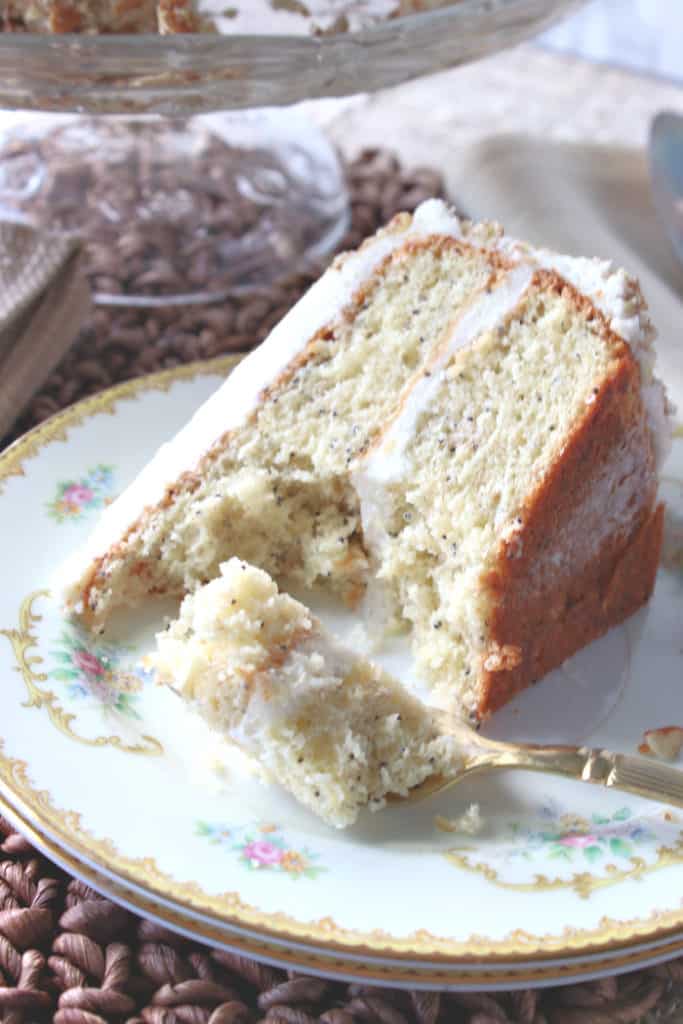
point(548, 599)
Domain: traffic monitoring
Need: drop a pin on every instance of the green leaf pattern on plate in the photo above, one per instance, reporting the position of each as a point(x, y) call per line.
point(573, 838)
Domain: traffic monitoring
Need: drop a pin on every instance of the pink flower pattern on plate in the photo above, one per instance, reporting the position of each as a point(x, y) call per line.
point(78, 494)
point(91, 670)
point(578, 841)
point(89, 663)
point(262, 847)
point(76, 497)
point(567, 837)
point(262, 852)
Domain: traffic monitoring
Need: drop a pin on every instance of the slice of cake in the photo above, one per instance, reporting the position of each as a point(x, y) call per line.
point(333, 729)
point(181, 17)
point(66, 16)
point(245, 17)
point(456, 433)
point(107, 16)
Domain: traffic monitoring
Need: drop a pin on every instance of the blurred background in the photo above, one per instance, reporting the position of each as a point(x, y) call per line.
point(646, 35)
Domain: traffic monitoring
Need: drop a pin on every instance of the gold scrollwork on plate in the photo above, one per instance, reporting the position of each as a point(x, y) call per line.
point(583, 883)
point(23, 640)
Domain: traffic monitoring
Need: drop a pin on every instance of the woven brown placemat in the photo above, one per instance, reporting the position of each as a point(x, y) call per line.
point(71, 956)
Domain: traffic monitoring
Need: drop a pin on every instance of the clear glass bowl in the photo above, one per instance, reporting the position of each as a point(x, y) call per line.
point(179, 75)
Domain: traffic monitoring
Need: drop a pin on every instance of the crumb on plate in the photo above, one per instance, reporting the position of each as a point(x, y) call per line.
point(665, 743)
point(470, 823)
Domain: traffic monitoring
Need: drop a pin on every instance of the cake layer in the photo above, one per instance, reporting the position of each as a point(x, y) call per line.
point(326, 724)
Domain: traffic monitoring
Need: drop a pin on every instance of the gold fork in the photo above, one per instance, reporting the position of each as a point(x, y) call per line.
point(638, 775)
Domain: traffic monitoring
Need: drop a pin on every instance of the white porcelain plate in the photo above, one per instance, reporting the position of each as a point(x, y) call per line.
point(114, 776)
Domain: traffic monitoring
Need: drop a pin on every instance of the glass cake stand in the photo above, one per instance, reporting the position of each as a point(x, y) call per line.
point(182, 75)
point(251, 195)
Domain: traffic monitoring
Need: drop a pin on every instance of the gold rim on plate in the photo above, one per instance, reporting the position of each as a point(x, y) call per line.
point(63, 830)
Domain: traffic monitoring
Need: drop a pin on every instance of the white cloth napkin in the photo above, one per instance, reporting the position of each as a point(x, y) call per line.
point(588, 201)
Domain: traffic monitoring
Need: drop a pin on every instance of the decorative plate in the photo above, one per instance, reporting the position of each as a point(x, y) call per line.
point(448, 975)
point(112, 775)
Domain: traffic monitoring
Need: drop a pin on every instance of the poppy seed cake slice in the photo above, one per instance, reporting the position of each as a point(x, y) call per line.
point(456, 432)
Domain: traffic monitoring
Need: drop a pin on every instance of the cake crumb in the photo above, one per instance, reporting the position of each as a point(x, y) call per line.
point(665, 744)
point(219, 768)
point(210, 772)
point(470, 823)
point(502, 659)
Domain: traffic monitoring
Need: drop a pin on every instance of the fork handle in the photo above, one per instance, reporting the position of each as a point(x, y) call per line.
point(638, 775)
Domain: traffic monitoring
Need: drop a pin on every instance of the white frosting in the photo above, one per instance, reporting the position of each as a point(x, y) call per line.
point(236, 399)
point(312, 667)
